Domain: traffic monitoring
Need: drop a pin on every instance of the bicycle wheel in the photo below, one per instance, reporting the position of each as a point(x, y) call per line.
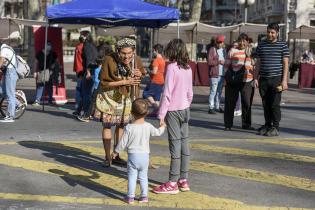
point(3, 107)
point(19, 109)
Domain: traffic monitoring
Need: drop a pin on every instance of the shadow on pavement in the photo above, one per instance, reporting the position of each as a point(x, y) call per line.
point(58, 113)
point(81, 160)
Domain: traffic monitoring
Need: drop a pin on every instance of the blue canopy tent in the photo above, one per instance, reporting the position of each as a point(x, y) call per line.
point(112, 13)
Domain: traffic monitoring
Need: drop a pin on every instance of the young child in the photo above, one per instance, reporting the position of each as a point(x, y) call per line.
point(174, 109)
point(135, 140)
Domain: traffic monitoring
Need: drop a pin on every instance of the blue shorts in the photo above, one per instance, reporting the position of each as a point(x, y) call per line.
point(153, 90)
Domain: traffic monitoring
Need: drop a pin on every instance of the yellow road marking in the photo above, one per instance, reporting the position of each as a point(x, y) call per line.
point(216, 203)
point(237, 151)
point(243, 173)
point(182, 200)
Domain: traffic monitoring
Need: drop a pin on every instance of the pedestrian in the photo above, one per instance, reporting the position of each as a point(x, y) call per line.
point(216, 58)
point(174, 110)
point(116, 81)
point(135, 140)
point(239, 76)
point(272, 78)
point(89, 56)
point(8, 63)
point(78, 69)
point(154, 89)
point(46, 75)
point(95, 77)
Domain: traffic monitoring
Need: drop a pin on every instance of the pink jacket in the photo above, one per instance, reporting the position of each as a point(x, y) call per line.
point(213, 61)
point(178, 91)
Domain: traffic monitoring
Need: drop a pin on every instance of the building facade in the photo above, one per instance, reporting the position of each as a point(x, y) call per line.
point(220, 12)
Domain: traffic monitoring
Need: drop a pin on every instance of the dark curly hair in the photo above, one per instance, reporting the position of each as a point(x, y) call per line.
point(176, 51)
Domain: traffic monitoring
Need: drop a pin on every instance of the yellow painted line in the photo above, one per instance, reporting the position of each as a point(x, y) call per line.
point(216, 203)
point(181, 200)
point(243, 173)
point(245, 152)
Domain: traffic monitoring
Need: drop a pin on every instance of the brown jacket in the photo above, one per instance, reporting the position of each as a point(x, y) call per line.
point(109, 73)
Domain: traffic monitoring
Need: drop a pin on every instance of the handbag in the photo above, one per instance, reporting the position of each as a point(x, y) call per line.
point(109, 106)
point(43, 76)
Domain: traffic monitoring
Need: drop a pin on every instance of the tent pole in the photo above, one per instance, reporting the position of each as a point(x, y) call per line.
point(9, 32)
point(151, 43)
point(191, 42)
point(300, 42)
point(178, 29)
point(196, 41)
point(158, 36)
point(45, 61)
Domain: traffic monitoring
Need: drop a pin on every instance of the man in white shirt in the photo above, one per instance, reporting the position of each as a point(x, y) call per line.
point(8, 64)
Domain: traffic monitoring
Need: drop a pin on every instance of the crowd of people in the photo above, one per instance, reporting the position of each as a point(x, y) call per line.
point(108, 89)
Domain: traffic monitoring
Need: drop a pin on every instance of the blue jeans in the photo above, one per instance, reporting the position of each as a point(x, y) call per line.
point(40, 90)
point(216, 85)
point(8, 88)
point(137, 165)
point(78, 95)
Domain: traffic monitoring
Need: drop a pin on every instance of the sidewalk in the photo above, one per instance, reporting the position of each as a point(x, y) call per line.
point(293, 95)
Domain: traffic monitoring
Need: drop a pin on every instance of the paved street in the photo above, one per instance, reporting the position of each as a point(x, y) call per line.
point(49, 160)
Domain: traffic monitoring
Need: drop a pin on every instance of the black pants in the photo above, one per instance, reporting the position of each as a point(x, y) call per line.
point(271, 100)
point(231, 96)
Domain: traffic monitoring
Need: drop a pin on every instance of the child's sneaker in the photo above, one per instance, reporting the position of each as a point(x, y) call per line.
point(183, 185)
point(129, 200)
point(166, 188)
point(143, 200)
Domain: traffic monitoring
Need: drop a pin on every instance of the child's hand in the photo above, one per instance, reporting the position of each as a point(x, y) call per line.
point(114, 155)
point(162, 123)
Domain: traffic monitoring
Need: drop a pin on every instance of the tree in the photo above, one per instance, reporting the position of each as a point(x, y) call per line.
point(196, 11)
point(31, 10)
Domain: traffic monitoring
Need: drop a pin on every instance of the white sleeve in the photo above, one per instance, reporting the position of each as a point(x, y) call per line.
point(156, 131)
point(122, 144)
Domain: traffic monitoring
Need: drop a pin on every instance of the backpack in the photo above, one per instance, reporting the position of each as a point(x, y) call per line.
point(22, 68)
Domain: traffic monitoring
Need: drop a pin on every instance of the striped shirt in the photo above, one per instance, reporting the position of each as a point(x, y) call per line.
point(237, 59)
point(271, 56)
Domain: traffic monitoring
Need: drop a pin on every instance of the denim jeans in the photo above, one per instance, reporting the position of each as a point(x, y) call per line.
point(40, 91)
point(138, 164)
point(78, 95)
point(216, 85)
point(8, 88)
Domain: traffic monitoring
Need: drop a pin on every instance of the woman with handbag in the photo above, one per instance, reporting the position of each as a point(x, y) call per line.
point(239, 67)
point(45, 75)
point(119, 83)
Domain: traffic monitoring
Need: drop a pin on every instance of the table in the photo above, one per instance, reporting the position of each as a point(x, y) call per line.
point(307, 76)
point(202, 74)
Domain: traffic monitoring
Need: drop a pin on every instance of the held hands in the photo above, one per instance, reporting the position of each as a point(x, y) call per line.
point(162, 123)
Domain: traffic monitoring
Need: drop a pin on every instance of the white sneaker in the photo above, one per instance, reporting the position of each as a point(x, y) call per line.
point(7, 119)
point(238, 113)
point(35, 104)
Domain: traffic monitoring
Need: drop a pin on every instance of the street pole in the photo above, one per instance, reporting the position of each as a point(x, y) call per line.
point(246, 4)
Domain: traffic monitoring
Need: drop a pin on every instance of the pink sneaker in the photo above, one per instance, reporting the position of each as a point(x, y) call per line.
point(183, 185)
point(166, 188)
point(143, 200)
point(129, 200)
